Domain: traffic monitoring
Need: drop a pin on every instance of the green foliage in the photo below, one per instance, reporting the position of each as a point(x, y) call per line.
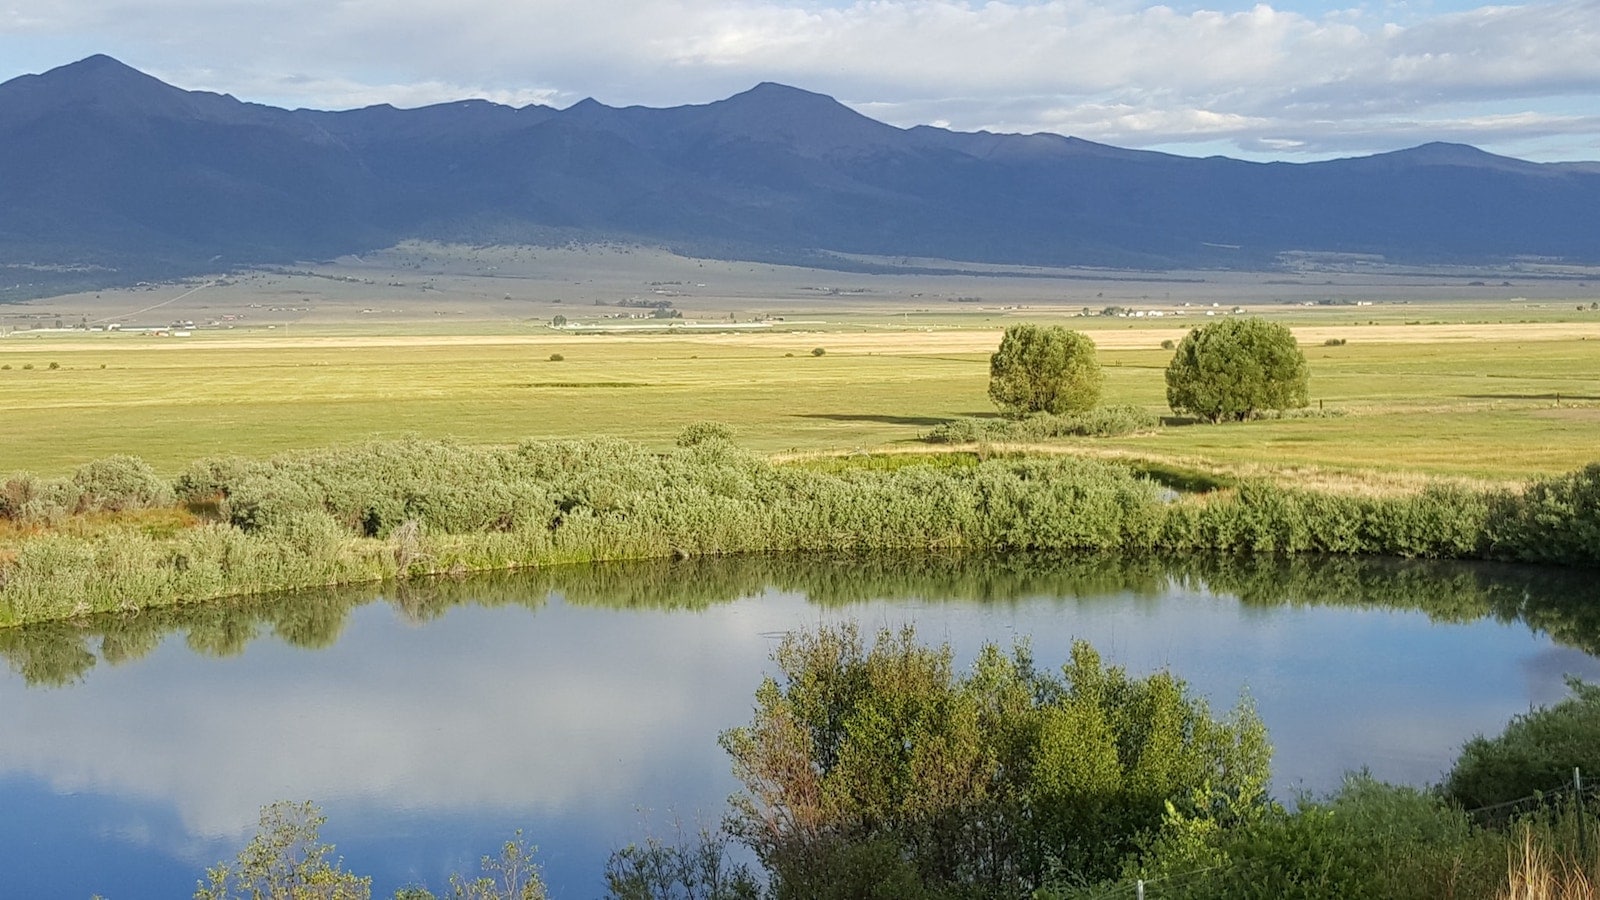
point(1231, 368)
point(285, 861)
point(413, 507)
point(885, 760)
point(1104, 421)
point(1441, 521)
point(698, 869)
point(1369, 841)
point(120, 482)
point(1556, 520)
point(1536, 753)
point(1044, 369)
point(703, 432)
point(105, 485)
point(512, 875)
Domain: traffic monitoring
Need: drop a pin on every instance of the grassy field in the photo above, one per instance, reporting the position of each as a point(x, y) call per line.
point(1435, 378)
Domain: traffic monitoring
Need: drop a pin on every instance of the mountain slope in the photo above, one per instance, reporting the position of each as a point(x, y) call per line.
point(103, 164)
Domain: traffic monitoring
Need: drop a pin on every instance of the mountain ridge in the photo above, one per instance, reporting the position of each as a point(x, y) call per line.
point(109, 166)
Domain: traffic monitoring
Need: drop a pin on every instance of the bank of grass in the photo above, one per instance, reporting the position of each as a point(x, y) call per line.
point(400, 509)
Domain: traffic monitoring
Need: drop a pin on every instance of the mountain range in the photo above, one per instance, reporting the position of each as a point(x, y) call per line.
point(104, 166)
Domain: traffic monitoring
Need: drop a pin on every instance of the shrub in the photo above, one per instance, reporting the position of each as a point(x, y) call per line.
point(1108, 421)
point(54, 365)
point(32, 500)
point(695, 870)
point(1536, 753)
point(1369, 841)
point(977, 784)
point(1168, 344)
point(119, 482)
point(696, 433)
point(556, 357)
point(818, 351)
point(1554, 520)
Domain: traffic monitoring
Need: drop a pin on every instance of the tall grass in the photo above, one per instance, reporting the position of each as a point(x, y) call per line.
point(397, 509)
point(1546, 863)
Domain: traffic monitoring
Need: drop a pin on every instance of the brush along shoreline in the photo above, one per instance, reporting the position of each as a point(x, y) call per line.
point(117, 537)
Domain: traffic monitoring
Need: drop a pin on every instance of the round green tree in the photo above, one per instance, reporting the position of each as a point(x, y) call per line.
point(1234, 368)
point(1044, 369)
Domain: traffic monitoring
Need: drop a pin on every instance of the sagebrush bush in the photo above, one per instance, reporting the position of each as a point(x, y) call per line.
point(1104, 421)
point(118, 483)
point(473, 508)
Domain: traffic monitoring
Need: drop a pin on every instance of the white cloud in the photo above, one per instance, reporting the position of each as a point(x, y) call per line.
point(1102, 69)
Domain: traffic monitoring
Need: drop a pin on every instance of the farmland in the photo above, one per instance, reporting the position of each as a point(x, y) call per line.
point(1438, 375)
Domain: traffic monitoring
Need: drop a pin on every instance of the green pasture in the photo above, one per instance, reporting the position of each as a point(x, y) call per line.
point(1474, 408)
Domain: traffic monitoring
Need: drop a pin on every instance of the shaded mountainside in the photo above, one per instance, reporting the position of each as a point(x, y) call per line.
point(103, 165)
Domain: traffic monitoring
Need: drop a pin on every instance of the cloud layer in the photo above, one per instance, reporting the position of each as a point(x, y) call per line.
point(1249, 80)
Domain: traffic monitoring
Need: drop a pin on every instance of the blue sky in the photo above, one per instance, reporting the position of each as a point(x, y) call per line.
point(1293, 80)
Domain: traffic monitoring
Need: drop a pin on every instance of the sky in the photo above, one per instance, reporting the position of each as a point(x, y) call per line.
point(1297, 81)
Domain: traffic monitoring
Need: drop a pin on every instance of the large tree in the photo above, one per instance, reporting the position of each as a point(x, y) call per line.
point(1044, 369)
point(1233, 368)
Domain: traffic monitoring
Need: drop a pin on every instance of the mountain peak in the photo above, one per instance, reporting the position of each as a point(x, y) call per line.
point(770, 94)
point(104, 83)
point(809, 123)
point(1445, 153)
point(98, 62)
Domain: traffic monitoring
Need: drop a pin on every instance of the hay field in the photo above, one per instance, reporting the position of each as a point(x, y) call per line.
point(1435, 378)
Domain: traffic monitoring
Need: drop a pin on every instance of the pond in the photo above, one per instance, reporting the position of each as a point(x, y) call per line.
point(582, 705)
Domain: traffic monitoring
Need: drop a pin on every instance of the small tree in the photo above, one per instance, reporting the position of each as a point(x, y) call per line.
point(883, 766)
point(1232, 368)
point(285, 860)
point(1044, 369)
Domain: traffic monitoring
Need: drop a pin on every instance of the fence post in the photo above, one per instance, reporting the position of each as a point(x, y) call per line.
point(1583, 815)
point(1139, 890)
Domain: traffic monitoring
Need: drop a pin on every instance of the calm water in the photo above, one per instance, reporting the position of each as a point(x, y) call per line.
point(583, 706)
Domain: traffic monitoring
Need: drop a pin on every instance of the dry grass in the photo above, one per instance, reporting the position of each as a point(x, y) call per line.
point(160, 522)
point(1537, 873)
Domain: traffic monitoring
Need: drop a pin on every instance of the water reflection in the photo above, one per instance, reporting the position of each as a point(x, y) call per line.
point(431, 719)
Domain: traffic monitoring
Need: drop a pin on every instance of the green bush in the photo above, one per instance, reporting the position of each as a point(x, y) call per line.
point(1369, 841)
point(696, 433)
point(884, 760)
point(1554, 520)
point(119, 482)
point(1535, 754)
point(1106, 421)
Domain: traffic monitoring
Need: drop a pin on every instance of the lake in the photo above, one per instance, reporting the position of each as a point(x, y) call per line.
point(582, 705)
